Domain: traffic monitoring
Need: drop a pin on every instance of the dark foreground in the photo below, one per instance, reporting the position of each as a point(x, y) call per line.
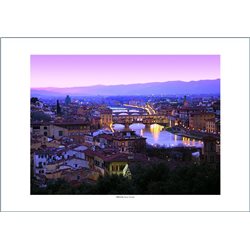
point(146, 180)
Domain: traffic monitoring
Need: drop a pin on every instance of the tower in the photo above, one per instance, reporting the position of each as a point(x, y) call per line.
point(67, 100)
point(58, 108)
point(185, 102)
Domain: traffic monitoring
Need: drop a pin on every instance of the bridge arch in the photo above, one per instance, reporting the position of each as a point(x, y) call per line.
point(145, 119)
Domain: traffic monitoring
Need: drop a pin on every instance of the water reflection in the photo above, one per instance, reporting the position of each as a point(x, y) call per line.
point(158, 137)
point(155, 130)
point(141, 132)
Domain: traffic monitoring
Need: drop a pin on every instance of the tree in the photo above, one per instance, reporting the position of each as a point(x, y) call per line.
point(33, 100)
point(58, 108)
point(114, 184)
point(147, 180)
point(40, 116)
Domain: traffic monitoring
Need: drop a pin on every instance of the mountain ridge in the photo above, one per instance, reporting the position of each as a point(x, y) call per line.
point(157, 88)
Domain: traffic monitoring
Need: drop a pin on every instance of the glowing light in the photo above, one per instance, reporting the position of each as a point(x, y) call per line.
point(155, 129)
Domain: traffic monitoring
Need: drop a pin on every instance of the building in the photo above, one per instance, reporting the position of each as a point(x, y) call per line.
point(217, 126)
point(211, 126)
point(184, 111)
point(112, 162)
point(185, 102)
point(173, 121)
point(210, 151)
point(106, 118)
point(43, 141)
point(52, 159)
point(76, 129)
point(81, 111)
point(197, 120)
point(49, 130)
point(165, 109)
point(128, 141)
point(106, 161)
point(73, 176)
point(67, 100)
point(103, 140)
point(95, 122)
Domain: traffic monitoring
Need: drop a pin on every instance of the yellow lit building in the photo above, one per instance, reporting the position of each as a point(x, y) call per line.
point(197, 120)
point(106, 118)
point(107, 162)
point(210, 126)
point(117, 167)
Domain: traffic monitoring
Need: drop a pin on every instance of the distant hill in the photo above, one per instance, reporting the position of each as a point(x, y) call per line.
point(156, 88)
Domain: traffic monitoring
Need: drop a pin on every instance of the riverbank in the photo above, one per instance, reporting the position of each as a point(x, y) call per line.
point(189, 134)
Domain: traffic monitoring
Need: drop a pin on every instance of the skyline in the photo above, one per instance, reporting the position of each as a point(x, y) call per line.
point(62, 71)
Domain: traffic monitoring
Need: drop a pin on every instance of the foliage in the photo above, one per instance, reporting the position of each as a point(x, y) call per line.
point(34, 100)
point(183, 153)
point(156, 179)
point(40, 116)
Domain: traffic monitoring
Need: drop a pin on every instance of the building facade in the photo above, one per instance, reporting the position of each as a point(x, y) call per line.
point(106, 118)
point(197, 120)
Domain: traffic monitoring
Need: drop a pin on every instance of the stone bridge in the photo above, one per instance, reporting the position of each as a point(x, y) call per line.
point(145, 119)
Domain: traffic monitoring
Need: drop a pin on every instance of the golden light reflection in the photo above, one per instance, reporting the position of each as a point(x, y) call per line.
point(141, 132)
point(188, 141)
point(155, 130)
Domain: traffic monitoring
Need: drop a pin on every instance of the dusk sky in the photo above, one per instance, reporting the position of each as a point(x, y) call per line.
point(87, 70)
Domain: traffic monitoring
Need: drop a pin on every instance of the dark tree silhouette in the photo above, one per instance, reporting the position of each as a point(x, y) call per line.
point(58, 108)
point(34, 100)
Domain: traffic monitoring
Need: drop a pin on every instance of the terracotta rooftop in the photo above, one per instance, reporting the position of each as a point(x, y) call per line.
point(201, 113)
point(116, 156)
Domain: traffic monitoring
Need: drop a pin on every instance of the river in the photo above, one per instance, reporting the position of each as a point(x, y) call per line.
point(156, 136)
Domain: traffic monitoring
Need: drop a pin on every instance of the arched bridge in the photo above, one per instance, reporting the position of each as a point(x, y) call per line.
point(145, 119)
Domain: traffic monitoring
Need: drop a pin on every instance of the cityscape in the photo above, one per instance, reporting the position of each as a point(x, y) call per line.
point(125, 124)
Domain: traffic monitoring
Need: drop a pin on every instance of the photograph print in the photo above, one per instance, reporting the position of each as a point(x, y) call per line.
point(125, 124)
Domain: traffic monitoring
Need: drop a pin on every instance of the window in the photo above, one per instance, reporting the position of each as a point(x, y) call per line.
point(60, 133)
point(45, 127)
point(78, 177)
point(45, 133)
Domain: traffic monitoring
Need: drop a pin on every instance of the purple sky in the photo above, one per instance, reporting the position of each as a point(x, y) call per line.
point(86, 70)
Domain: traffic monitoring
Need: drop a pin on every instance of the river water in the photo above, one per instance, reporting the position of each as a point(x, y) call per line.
point(156, 136)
